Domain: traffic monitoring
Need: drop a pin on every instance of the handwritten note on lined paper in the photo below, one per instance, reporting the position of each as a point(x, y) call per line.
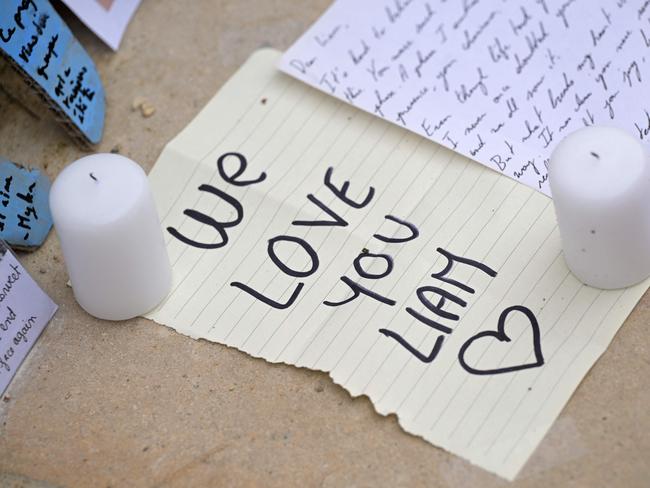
point(500, 82)
point(304, 231)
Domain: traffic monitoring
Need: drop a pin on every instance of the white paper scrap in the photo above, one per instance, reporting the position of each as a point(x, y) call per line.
point(304, 231)
point(500, 82)
point(106, 18)
point(25, 310)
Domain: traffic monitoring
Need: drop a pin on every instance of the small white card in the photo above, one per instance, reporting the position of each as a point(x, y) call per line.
point(106, 18)
point(25, 310)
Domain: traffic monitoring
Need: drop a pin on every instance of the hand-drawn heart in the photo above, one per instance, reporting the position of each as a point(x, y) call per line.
point(501, 336)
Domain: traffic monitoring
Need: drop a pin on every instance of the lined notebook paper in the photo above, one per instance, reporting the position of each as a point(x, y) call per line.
point(307, 232)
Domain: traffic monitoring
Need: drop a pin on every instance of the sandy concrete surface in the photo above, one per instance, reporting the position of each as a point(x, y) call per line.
point(135, 404)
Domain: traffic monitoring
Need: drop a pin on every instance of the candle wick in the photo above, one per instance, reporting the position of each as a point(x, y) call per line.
point(595, 155)
point(93, 176)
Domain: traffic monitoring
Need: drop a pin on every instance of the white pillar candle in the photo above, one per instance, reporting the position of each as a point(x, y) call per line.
point(600, 182)
point(112, 241)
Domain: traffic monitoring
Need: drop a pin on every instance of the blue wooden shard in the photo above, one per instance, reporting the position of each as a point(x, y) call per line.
point(25, 218)
point(42, 49)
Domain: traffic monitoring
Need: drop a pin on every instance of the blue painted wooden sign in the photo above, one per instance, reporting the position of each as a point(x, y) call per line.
point(25, 218)
point(42, 48)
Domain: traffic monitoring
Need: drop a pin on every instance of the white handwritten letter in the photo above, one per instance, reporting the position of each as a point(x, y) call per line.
point(500, 82)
